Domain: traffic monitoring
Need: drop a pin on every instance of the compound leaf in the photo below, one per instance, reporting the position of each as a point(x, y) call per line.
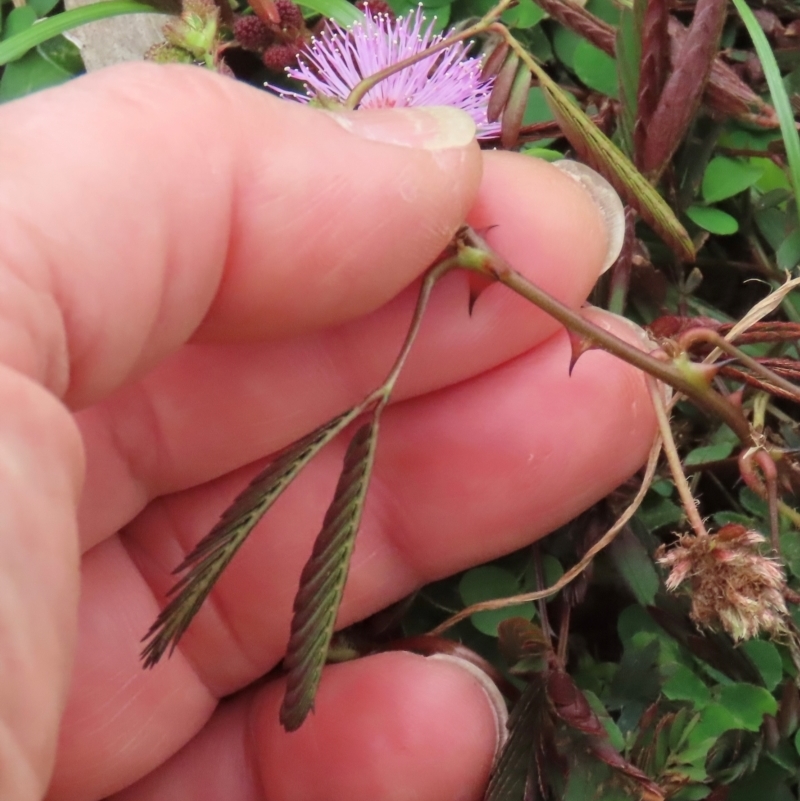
point(323, 578)
point(213, 553)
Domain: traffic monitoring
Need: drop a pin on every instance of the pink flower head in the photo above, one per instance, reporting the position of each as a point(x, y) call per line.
point(340, 58)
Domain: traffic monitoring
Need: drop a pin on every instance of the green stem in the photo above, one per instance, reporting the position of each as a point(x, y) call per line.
point(21, 43)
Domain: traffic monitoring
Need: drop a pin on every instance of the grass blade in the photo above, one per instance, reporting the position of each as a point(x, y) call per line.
point(780, 99)
point(214, 552)
point(323, 578)
point(338, 10)
point(16, 46)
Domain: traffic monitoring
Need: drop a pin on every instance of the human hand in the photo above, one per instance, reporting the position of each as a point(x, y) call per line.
point(192, 275)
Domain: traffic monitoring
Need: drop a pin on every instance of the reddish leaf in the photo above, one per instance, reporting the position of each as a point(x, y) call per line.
point(671, 325)
point(599, 152)
point(514, 110)
point(521, 642)
point(605, 752)
point(502, 87)
point(323, 578)
point(573, 16)
point(571, 705)
point(684, 88)
point(267, 11)
point(726, 94)
point(653, 69)
point(495, 60)
point(621, 268)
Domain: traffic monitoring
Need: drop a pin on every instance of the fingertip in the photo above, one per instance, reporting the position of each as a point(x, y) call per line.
point(545, 223)
point(390, 726)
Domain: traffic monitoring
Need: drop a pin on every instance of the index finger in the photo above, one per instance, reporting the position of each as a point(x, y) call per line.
point(151, 251)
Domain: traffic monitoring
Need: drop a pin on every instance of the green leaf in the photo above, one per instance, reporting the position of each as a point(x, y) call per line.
point(788, 253)
point(596, 70)
point(612, 730)
point(715, 720)
point(565, 42)
point(323, 578)
point(777, 90)
point(629, 55)
point(713, 220)
point(339, 10)
point(210, 557)
point(18, 20)
point(61, 53)
point(634, 619)
point(524, 15)
point(767, 658)
point(537, 109)
point(684, 685)
point(16, 46)
point(29, 74)
point(709, 453)
point(790, 551)
point(488, 583)
point(657, 512)
point(748, 704)
point(753, 503)
point(42, 7)
point(692, 793)
point(772, 176)
point(726, 177)
point(543, 153)
point(634, 564)
point(606, 10)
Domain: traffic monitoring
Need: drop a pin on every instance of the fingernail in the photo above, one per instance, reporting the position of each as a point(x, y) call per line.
point(609, 321)
point(607, 201)
point(495, 698)
point(428, 128)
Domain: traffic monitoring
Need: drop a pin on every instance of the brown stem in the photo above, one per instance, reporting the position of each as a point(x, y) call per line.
point(575, 570)
point(674, 460)
point(689, 338)
point(485, 260)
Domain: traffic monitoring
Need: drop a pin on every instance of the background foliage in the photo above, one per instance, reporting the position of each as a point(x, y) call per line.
point(616, 692)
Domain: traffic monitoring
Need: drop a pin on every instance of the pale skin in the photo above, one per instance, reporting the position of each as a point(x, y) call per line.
point(193, 274)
